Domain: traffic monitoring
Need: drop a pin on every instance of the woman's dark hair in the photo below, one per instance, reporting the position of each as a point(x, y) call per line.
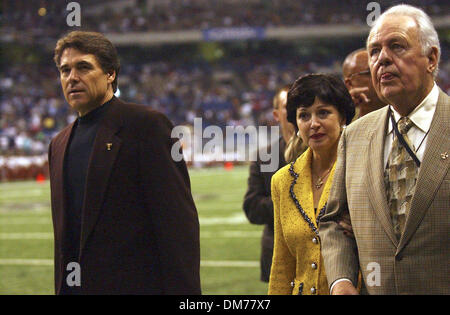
point(91, 43)
point(327, 87)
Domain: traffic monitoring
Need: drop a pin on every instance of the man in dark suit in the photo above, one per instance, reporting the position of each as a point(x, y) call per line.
point(258, 204)
point(122, 208)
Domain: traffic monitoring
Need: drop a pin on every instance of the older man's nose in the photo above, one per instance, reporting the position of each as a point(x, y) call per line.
point(385, 57)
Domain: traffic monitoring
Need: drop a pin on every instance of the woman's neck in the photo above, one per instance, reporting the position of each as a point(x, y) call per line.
point(323, 161)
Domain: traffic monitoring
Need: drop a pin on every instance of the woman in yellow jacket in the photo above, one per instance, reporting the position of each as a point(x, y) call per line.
point(319, 106)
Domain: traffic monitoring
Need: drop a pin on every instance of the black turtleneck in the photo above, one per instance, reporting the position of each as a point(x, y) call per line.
point(75, 172)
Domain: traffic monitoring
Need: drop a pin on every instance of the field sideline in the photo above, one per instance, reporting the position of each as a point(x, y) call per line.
point(230, 246)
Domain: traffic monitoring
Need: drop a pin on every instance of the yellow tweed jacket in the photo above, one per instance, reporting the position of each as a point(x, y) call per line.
point(297, 265)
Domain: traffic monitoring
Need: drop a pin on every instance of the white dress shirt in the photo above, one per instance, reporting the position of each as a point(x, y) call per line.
point(421, 116)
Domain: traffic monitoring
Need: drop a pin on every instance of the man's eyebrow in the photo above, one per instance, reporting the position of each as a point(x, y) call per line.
point(79, 63)
point(372, 43)
point(83, 63)
point(389, 40)
point(397, 39)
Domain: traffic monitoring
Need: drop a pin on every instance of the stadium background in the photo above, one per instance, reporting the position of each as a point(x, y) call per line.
point(218, 60)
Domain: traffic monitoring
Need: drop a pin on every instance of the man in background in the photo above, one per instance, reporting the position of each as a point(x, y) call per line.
point(258, 204)
point(355, 70)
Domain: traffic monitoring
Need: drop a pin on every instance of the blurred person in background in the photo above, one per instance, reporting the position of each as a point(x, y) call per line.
point(319, 106)
point(122, 208)
point(258, 205)
point(356, 72)
point(358, 81)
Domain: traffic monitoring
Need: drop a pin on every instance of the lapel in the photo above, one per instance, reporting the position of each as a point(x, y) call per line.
point(432, 170)
point(99, 169)
point(303, 187)
point(59, 149)
point(375, 174)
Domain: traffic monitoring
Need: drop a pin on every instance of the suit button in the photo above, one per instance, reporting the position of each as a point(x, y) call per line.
point(314, 266)
point(315, 240)
point(313, 290)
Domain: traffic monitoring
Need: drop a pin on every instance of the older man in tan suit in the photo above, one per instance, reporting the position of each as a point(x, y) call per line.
point(392, 175)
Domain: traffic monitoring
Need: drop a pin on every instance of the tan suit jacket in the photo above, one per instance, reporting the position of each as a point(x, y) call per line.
point(418, 263)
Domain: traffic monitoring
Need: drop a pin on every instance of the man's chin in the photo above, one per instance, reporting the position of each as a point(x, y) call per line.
point(77, 106)
point(392, 94)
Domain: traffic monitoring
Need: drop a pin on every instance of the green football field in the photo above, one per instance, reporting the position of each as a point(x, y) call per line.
point(230, 246)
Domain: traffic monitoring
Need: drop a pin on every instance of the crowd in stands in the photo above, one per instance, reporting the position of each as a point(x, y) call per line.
point(204, 14)
point(234, 91)
point(22, 16)
point(237, 91)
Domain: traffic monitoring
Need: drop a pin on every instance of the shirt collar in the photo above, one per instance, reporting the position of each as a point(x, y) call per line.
point(95, 114)
point(423, 114)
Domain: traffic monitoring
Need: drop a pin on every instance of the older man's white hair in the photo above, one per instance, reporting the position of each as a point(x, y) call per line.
point(428, 36)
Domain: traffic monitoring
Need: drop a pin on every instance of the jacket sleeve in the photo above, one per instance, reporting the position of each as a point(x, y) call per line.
point(257, 205)
point(282, 272)
point(173, 212)
point(338, 250)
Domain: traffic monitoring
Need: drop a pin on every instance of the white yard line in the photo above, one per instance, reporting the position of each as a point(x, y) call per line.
point(26, 236)
point(20, 221)
point(229, 263)
point(26, 262)
point(23, 194)
point(231, 234)
point(205, 234)
point(238, 218)
point(204, 263)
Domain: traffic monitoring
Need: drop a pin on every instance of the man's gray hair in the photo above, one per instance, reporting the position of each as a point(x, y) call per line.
point(428, 36)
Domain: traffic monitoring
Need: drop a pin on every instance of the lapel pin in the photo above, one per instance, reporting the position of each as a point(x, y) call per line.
point(108, 146)
point(444, 155)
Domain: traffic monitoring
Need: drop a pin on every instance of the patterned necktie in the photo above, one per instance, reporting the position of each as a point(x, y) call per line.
point(400, 178)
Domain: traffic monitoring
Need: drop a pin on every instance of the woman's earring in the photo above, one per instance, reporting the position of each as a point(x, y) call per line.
point(298, 133)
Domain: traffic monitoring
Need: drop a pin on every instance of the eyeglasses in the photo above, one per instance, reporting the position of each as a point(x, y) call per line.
point(365, 72)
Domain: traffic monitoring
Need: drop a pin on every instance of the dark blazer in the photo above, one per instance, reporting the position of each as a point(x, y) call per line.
point(258, 206)
point(139, 230)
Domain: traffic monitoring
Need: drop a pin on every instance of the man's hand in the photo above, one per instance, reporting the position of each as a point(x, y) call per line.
point(359, 95)
point(346, 224)
point(344, 288)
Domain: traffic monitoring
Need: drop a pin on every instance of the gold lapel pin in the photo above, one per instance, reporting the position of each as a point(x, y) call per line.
point(444, 155)
point(108, 146)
